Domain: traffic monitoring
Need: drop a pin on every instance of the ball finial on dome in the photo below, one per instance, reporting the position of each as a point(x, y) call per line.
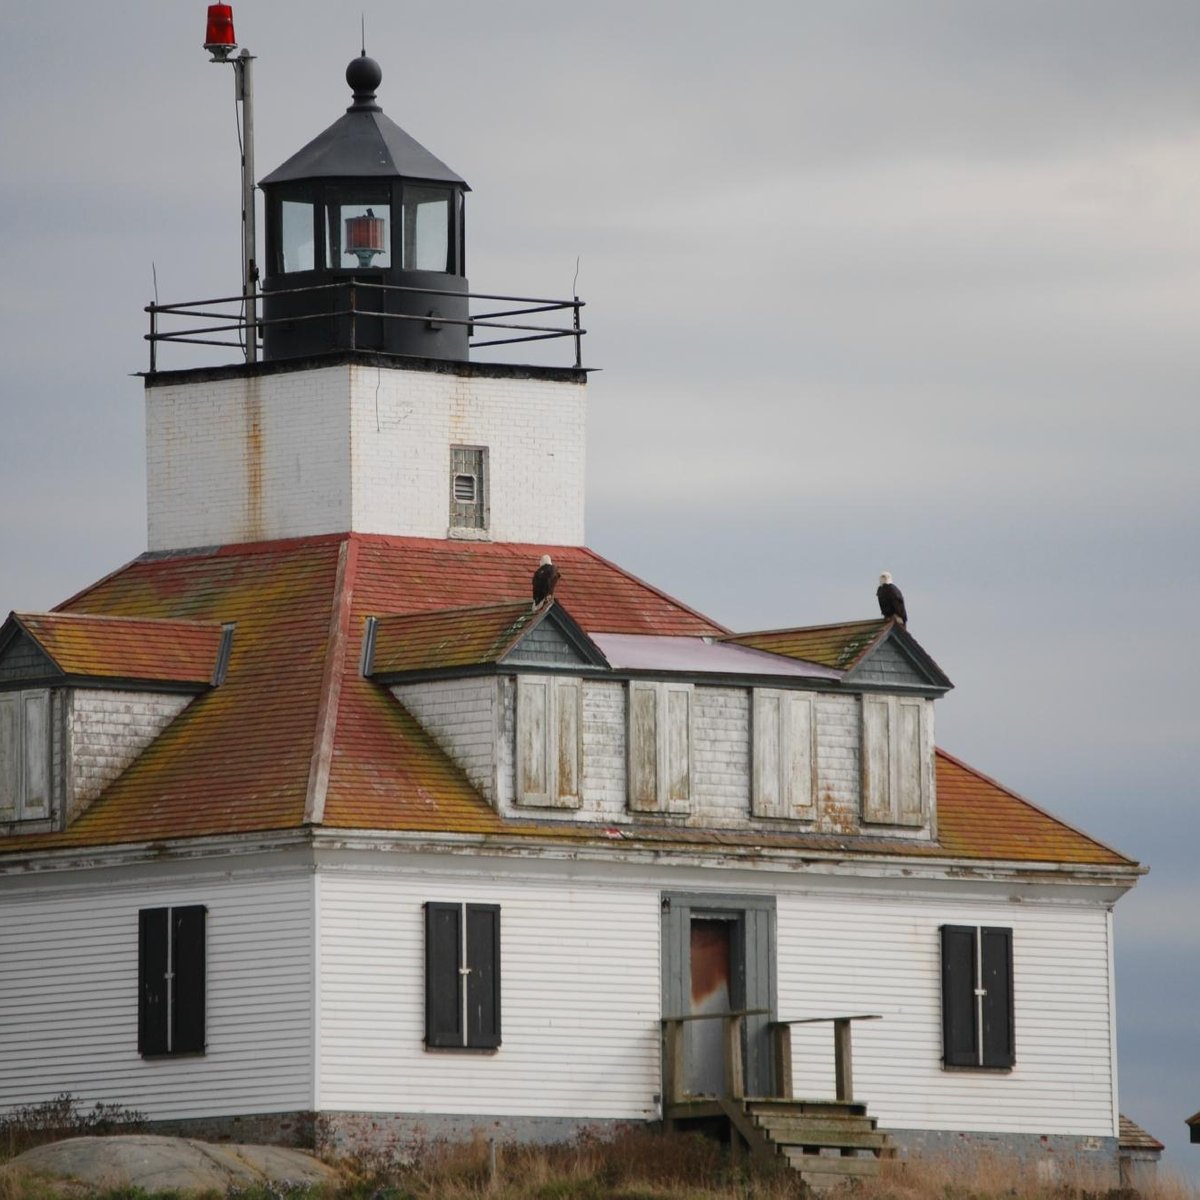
point(364, 75)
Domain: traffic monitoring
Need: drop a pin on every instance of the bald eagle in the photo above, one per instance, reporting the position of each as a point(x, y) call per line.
point(545, 578)
point(891, 599)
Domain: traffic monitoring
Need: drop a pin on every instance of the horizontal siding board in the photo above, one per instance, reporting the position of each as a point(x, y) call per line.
point(68, 989)
point(885, 958)
point(579, 1000)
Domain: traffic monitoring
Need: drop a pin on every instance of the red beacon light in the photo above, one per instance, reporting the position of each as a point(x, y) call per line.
point(219, 39)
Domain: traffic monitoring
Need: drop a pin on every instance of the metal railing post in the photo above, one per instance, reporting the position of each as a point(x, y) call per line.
point(578, 338)
point(153, 339)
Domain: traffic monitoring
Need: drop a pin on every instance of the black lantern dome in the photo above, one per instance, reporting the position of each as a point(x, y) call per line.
point(364, 240)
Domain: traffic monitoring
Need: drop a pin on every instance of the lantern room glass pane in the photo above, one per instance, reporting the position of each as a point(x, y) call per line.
point(296, 236)
point(426, 229)
point(359, 236)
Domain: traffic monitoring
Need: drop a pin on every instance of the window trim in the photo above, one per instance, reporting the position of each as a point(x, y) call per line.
point(172, 940)
point(475, 942)
point(965, 993)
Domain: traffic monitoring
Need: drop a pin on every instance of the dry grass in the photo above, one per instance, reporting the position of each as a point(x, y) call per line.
point(638, 1165)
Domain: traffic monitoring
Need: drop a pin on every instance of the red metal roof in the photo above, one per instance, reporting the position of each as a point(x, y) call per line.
point(111, 647)
point(838, 646)
point(453, 637)
point(296, 737)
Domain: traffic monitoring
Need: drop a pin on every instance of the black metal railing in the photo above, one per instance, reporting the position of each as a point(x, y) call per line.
point(225, 320)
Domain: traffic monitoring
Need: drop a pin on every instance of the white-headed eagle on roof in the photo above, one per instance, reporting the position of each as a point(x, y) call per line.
point(891, 599)
point(545, 579)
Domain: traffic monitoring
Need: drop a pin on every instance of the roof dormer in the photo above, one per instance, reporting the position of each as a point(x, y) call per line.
point(82, 696)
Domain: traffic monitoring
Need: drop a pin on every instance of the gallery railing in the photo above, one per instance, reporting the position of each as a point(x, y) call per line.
point(225, 321)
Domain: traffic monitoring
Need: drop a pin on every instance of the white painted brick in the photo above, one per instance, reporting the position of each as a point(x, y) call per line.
point(363, 449)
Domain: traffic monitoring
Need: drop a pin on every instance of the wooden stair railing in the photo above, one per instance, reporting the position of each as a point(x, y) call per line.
point(826, 1141)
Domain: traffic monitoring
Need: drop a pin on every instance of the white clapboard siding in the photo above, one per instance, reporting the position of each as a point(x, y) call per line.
point(69, 989)
point(579, 999)
point(846, 955)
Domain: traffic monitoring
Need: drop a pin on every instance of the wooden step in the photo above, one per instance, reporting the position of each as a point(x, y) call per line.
point(834, 1141)
point(835, 1165)
point(815, 1108)
point(814, 1121)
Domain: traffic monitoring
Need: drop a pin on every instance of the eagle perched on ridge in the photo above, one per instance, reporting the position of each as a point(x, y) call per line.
point(891, 599)
point(545, 579)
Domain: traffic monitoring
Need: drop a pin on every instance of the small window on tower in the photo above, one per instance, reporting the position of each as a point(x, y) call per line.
point(468, 487)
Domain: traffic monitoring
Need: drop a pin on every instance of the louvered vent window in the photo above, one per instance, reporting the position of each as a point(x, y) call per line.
point(468, 487)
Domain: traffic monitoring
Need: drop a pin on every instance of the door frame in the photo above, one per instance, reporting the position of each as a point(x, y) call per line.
point(753, 962)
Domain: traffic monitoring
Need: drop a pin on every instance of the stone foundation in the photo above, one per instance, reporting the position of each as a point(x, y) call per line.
point(399, 1135)
point(1048, 1158)
point(295, 1129)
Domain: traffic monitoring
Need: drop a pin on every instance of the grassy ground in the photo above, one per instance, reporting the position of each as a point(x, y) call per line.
point(637, 1165)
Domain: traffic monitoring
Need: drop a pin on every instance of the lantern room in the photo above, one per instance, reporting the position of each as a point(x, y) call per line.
point(365, 247)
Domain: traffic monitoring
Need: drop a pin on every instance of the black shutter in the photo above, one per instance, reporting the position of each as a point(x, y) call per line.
point(483, 977)
point(996, 960)
point(152, 981)
point(960, 1047)
point(443, 982)
point(187, 1009)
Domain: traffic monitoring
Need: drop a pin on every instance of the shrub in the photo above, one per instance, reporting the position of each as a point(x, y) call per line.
point(52, 1120)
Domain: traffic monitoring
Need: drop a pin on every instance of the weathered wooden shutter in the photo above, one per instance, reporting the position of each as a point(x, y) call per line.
point(534, 705)
point(782, 724)
point(549, 751)
point(995, 952)
point(188, 984)
point(566, 752)
point(960, 1046)
point(643, 746)
point(153, 964)
point(443, 980)
point(677, 747)
point(10, 755)
point(910, 759)
point(35, 801)
point(483, 975)
point(876, 759)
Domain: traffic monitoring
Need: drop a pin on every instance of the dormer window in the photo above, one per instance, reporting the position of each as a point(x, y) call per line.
point(25, 755)
point(468, 488)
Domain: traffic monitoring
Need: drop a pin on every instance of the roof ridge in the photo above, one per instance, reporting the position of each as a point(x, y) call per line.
point(695, 612)
point(116, 619)
point(331, 683)
point(958, 762)
point(808, 628)
point(460, 608)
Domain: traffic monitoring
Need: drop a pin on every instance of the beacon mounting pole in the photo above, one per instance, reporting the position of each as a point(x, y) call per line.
point(220, 42)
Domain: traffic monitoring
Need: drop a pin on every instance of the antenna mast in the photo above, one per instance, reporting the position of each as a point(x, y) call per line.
point(220, 42)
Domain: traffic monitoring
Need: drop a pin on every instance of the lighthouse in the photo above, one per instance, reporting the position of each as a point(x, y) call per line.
point(364, 412)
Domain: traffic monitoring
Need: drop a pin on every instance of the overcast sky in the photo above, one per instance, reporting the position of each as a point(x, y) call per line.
point(880, 284)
